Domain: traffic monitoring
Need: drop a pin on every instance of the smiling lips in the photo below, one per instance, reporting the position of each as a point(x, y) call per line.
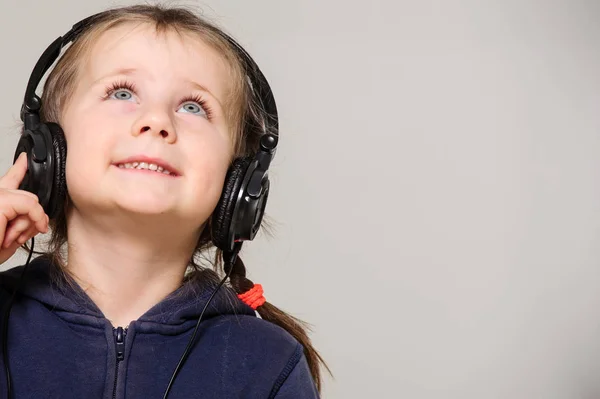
point(150, 164)
point(145, 166)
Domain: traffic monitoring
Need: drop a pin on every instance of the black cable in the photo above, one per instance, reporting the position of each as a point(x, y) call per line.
point(229, 260)
point(5, 324)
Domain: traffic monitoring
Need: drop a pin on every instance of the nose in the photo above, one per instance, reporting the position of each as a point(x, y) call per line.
point(155, 122)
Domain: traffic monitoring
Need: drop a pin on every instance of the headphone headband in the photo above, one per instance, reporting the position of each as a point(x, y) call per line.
point(32, 103)
point(258, 82)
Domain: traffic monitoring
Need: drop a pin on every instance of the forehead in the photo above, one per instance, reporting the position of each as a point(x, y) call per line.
point(166, 56)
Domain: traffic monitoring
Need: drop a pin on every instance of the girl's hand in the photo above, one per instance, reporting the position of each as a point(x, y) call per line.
point(21, 215)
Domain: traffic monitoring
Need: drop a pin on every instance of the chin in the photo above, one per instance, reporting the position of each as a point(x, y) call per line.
point(144, 206)
point(131, 200)
point(102, 202)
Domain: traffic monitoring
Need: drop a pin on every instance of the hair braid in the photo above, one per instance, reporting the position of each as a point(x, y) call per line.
point(296, 327)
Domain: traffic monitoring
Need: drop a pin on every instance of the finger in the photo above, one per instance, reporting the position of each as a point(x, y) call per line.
point(27, 235)
point(23, 192)
point(15, 228)
point(13, 205)
point(15, 173)
point(32, 196)
point(20, 232)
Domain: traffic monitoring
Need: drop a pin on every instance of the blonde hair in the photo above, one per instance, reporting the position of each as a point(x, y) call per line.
point(242, 112)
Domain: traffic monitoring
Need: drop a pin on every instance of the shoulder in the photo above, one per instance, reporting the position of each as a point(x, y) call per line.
point(257, 348)
point(249, 333)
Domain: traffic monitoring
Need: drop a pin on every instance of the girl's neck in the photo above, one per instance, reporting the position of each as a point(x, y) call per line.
point(129, 270)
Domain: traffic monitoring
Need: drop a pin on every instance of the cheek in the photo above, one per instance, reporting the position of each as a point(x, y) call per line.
point(208, 162)
point(88, 143)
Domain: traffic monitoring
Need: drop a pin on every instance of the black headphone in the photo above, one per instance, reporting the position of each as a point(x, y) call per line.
point(239, 212)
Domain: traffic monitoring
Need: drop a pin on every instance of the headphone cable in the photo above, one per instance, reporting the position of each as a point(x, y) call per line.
point(229, 259)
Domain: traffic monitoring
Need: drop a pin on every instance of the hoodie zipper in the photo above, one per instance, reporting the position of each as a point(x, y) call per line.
point(119, 333)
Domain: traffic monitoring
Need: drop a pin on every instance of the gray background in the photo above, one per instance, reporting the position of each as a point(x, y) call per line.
point(436, 193)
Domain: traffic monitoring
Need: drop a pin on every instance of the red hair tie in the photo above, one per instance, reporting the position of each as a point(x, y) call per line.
point(254, 297)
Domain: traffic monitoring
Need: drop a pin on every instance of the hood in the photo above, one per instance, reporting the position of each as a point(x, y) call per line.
point(45, 283)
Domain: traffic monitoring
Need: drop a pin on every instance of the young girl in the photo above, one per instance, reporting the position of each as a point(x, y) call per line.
point(157, 106)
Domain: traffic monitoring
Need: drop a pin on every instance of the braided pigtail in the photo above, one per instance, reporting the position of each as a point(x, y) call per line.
point(297, 328)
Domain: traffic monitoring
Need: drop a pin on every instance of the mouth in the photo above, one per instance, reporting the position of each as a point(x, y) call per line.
point(148, 164)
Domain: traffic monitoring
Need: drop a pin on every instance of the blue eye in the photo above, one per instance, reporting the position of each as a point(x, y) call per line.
point(193, 108)
point(122, 95)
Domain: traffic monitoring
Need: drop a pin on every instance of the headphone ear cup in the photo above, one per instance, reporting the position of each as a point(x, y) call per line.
point(59, 189)
point(221, 223)
point(39, 178)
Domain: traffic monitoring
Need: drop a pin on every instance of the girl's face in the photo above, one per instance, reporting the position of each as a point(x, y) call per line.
point(157, 99)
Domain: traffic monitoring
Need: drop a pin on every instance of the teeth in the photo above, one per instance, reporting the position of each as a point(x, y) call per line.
point(144, 166)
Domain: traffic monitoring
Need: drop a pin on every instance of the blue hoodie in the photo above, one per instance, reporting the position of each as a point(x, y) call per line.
point(60, 345)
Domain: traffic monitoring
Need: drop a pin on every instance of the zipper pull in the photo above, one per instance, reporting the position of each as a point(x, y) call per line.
point(120, 343)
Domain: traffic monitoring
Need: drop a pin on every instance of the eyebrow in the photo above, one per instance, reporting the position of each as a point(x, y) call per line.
point(120, 71)
point(133, 71)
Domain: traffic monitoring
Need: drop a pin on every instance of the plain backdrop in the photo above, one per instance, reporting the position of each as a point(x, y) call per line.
point(436, 191)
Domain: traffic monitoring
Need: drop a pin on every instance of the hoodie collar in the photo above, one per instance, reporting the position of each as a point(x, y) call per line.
point(45, 283)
